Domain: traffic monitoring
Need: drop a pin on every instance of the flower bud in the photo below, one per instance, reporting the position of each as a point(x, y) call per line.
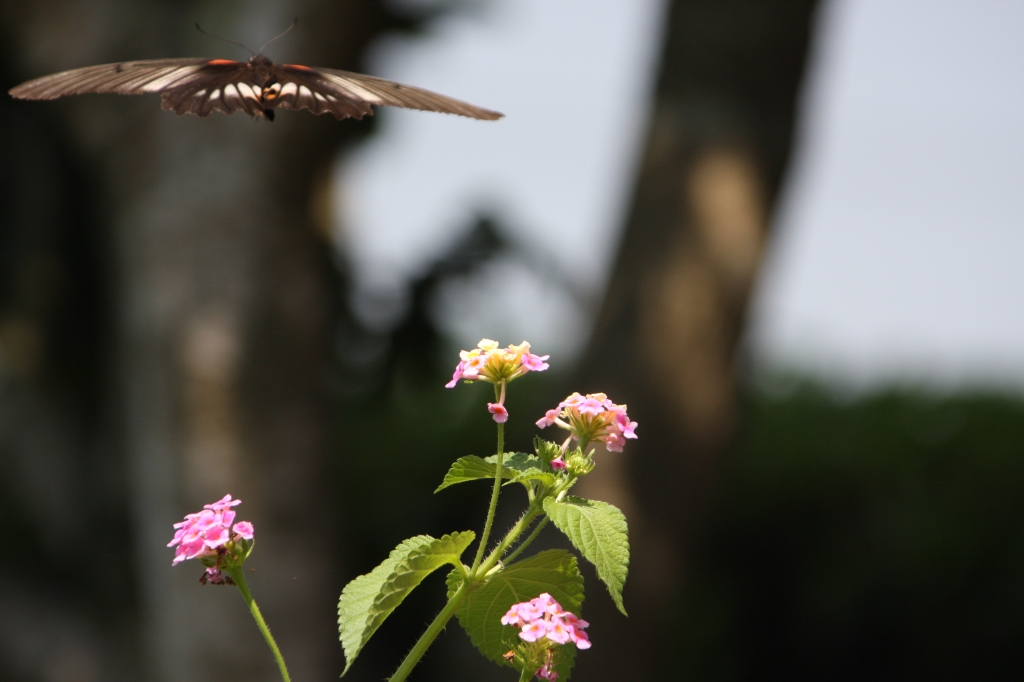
point(546, 450)
point(579, 464)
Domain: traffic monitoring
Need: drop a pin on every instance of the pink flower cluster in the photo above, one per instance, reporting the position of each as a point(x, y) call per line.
point(202, 534)
point(592, 418)
point(493, 364)
point(498, 366)
point(544, 617)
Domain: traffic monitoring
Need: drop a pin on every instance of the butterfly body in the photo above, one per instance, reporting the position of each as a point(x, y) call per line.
point(257, 86)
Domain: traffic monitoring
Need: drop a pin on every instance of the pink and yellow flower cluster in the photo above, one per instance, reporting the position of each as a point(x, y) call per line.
point(489, 363)
point(499, 366)
point(543, 620)
point(544, 617)
point(203, 533)
point(592, 418)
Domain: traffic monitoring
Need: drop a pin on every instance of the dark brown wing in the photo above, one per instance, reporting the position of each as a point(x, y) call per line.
point(187, 86)
point(196, 86)
point(347, 94)
point(126, 78)
point(199, 86)
point(222, 85)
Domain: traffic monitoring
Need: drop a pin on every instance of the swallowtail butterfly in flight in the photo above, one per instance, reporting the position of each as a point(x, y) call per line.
point(257, 86)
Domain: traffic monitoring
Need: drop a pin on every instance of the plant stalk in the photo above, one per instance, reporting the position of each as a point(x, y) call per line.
point(430, 634)
point(238, 576)
point(516, 531)
point(494, 501)
point(526, 543)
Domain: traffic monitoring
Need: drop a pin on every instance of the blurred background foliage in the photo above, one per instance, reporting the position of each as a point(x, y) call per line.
point(175, 324)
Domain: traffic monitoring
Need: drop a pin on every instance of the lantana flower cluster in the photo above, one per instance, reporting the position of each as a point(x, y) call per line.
point(543, 620)
point(498, 366)
point(590, 418)
point(204, 533)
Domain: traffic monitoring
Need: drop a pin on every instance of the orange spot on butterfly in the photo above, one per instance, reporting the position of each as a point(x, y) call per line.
point(221, 62)
point(300, 67)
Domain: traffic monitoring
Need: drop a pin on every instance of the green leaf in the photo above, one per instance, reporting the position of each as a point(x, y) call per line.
point(471, 468)
point(468, 468)
point(598, 530)
point(369, 599)
point(554, 571)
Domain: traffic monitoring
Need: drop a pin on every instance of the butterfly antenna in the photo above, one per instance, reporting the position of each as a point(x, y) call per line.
point(281, 35)
point(245, 47)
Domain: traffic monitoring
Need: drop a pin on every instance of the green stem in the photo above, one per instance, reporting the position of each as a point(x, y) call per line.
point(239, 577)
point(526, 675)
point(430, 634)
point(527, 541)
point(516, 531)
point(494, 500)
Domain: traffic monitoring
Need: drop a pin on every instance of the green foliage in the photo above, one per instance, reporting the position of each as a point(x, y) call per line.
point(369, 599)
point(598, 530)
point(553, 571)
point(869, 538)
point(516, 466)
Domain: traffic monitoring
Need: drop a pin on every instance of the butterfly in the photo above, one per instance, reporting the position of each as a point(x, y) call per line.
point(257, 86)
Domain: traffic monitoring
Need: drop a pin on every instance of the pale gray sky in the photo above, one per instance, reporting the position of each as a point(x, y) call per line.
point(573, 78)
point(898, 251)
point(899, 240)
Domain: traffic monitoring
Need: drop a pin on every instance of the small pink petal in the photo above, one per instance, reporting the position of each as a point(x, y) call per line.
point(613, 441)
point(572, 401)
point(177, 537)
point(535, 363)
point(223, 503)
point(456, 376)
point(205, 521)
point(215, 537)
point(193, 549)
point(531, 632)
point(545, 602)
point(580, 639)
point(558, 464)
point(499, 412)
point(558, 632)
point(591, 406)
point(548, 419)
point(244, 529)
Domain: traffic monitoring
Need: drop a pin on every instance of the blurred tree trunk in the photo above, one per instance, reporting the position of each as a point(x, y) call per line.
point(667, 335)
point(224, 307)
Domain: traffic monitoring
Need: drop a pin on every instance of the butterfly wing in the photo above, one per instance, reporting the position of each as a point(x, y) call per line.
point(126, 78)
point(195, 86)
point(199, 86)
point(346, 94)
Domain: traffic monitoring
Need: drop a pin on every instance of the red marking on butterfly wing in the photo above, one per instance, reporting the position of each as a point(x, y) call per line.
point(222, 62)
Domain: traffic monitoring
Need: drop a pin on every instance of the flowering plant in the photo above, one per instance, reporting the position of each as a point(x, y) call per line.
point(223, 548)
point(538, 637)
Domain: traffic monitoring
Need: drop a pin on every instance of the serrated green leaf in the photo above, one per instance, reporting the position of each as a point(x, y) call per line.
point(598, 530)
point(546, 478)
point(369, 599)
point(472, 468)
point(554, 571)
